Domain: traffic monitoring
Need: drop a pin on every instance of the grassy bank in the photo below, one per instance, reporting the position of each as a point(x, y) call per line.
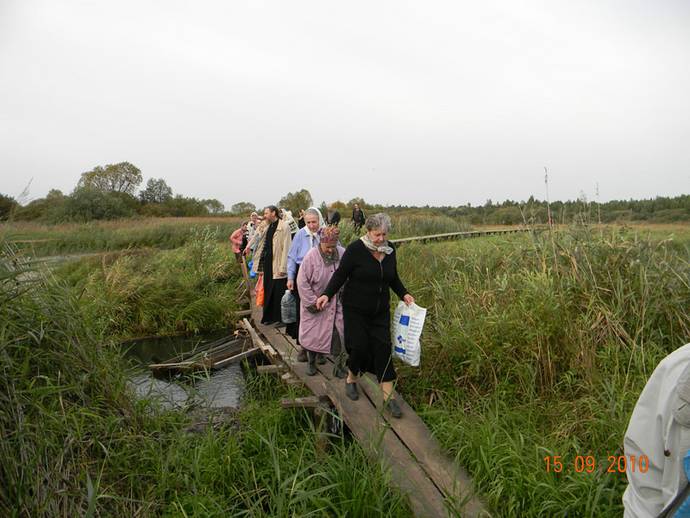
point(535, 345)
point(76, 443)
point(165, 233)
point(168, 233)
point(146, 291)
point(538, 346)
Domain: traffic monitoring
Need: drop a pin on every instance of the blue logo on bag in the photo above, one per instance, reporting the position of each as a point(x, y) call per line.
point(399, 350)
point(404, 320)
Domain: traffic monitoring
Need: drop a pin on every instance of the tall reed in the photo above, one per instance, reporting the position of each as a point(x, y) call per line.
point(540, 345)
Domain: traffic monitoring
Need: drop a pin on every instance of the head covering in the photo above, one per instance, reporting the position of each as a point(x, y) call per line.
point(321, 220)
point(329, 235)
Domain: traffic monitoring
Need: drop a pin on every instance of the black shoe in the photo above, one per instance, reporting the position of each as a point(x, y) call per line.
point(351, 391)
point(302, 356)
point(394, 408)
point(339, 371)
point(321, 359)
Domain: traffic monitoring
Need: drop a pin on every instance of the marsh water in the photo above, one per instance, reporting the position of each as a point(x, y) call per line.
point(222, 388)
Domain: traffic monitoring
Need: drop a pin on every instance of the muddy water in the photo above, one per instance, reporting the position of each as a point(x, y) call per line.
point(218, 389)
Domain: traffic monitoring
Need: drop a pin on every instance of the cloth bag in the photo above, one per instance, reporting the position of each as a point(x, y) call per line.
point(288, 308)
point(408, 322)
point(260, 290)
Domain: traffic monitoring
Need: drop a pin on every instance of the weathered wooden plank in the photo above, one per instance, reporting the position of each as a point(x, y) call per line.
point(290, 379)
point(449, 477)
point(382, 444)
point(435, 485)
point(458, 235)
point(270, 369)
point(258, 342)
point(236, 358)
point(301, 402)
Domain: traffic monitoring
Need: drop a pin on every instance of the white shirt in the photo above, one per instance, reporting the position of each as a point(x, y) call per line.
point(652, 431)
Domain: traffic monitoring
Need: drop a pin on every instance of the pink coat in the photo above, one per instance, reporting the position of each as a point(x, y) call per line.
point(236, 239)
point(316, 329)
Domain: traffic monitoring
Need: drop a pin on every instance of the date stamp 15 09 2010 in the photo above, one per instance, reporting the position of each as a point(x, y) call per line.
point(588, 464)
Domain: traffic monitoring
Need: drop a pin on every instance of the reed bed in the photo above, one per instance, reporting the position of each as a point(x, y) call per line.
point(146, 292)
point(540, 345)
point(75, 442)
point(99, 236)
point(40, 240)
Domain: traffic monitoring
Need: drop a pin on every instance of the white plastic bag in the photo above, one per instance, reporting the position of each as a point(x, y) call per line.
point(408, 323)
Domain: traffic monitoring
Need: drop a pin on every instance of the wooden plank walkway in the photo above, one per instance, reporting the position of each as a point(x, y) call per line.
point(435, 485)
point(462, 235)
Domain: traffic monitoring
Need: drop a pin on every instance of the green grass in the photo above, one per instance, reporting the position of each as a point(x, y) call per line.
point(76, 443)
point(535, 345)
point(539, 347)
point(147, 292)
point(165, 233)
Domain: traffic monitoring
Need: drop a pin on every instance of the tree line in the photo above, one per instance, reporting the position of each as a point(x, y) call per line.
point(110, 192)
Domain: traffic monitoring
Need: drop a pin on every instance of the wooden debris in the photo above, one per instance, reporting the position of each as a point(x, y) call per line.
point(270, 369)
point(258, 342)
point(236, 358)
point(290, 379)
point(301, 402)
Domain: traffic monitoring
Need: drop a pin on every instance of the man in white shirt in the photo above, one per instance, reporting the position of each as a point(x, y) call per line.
point(660, 429)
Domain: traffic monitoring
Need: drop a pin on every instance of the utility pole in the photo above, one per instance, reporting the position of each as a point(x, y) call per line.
point(598, 206)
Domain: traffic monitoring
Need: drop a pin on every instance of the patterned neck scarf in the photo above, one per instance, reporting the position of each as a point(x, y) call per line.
point(329, 259)
point(371, 246)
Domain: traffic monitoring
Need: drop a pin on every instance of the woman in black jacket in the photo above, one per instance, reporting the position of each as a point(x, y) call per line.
point(368, 270)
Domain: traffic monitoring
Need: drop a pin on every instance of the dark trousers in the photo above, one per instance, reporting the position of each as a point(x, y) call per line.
point(368, 343)
point(273, 292)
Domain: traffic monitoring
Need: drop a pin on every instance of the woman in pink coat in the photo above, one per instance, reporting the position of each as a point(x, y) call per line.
point(237, 239)
point(321, 332)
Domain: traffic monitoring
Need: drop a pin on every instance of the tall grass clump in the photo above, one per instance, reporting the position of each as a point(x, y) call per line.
point(103, 236)
point(422, 225)
point(540, 346)
point(152, 292)
point(75, 442)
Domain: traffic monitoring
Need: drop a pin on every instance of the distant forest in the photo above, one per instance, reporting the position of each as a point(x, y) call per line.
point(110, 192)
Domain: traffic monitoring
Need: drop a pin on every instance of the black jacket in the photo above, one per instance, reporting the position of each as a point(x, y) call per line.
point(358, 216)
point(366, 280)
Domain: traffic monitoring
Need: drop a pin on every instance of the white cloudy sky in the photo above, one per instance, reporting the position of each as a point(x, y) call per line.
point(398, 102)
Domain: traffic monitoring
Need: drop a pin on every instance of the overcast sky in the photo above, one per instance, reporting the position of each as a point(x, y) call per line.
point(397, 102)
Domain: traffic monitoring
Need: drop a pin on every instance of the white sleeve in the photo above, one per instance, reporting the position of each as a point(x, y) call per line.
point(651, 432)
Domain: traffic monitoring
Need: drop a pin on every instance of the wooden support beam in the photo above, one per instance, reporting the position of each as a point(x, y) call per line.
point(301, 402)
point(290, 379)
point(270, 369)
point(258, 342)
point(236, 358)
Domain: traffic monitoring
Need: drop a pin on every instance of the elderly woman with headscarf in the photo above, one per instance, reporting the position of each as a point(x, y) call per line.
point(305, 239)
point(271, 259)
point(368, 269)
point(255, 232)
point(321, 332)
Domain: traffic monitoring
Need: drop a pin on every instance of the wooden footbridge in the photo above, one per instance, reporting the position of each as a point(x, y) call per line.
point(435, 484)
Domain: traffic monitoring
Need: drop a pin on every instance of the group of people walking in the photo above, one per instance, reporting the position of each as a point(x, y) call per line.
point(343, 294)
